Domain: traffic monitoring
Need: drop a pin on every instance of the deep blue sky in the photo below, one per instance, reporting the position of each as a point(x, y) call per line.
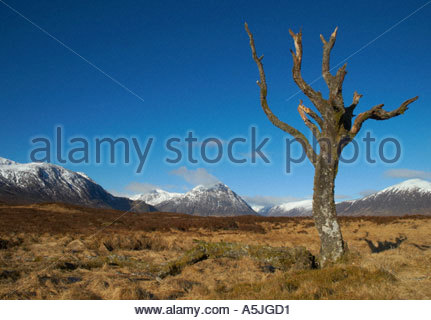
point(190, 62)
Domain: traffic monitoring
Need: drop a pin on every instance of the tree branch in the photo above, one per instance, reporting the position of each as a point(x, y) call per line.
point(315, 97)
point(356, 98)
point(303, 111)
point(378, 113)
point(312, 114)
point(334, 83)
point(311, 154)
point(327, 47)
point(348, 114)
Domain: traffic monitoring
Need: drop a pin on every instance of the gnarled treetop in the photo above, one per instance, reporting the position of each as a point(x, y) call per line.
point(335, 121)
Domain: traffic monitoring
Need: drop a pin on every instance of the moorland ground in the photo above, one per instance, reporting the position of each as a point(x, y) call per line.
point(55, 251)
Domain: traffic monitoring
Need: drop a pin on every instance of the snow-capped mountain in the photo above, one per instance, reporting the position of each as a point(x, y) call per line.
point(261, 210)
point(156, 196)
point(214, 200)
point(7, 162)
point(291, 209)
point(44, 182)
point(406, 198)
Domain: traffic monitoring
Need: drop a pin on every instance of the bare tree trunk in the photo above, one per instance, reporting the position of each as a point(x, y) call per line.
point(325, 216)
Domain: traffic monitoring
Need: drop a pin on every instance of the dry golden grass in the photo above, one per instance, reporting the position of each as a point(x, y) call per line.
point(51, 252)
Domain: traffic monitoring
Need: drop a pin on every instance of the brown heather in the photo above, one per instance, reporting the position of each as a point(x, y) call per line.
point(51, 251)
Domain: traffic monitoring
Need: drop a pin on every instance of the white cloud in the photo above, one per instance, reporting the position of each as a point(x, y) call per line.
point(196, 177)
point(120, 194)
point(138, 187)
point(408, 174)
point(268, 201)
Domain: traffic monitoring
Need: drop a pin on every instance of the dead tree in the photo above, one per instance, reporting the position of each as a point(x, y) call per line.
point(334, 126)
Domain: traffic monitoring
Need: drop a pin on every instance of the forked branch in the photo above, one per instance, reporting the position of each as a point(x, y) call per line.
point(311, 154)
point(334, 83)
point(314, 96)
point(303, 112)
point(378, 113)
point(327, 47)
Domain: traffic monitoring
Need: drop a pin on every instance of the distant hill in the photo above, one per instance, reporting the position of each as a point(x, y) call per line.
point(214, 200)
point(291, 209)
point(156, 196)
point(406, 198)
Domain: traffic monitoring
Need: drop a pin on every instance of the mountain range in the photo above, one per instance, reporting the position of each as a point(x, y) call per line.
point(43, 182)
point(406, 198)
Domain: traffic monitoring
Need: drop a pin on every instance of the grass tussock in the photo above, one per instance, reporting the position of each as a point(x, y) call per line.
point(53, 252)
point(336, 282)
point(277, 258)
